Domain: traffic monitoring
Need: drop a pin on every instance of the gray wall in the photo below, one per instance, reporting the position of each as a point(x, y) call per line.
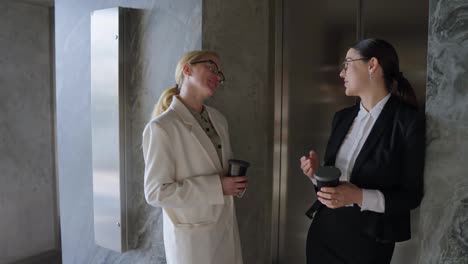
point(240, 32)
point(168, 29)
point(27, 177)
point(444, 212)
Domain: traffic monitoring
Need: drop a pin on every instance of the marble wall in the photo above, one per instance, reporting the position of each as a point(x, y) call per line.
point(167, 29)
point(241, 32)
point(28, 222)
point(444, 211)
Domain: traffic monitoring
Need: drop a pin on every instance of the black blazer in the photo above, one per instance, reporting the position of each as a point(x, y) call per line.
point(391, 161)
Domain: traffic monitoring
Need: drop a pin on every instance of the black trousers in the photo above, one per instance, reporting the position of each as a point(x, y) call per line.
point(335, 237)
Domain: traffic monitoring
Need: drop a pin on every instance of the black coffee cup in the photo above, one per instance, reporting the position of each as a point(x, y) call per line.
point(237, 167)
point(327, 176)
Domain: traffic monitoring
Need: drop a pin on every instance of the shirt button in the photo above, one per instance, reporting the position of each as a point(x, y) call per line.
point(219, 146)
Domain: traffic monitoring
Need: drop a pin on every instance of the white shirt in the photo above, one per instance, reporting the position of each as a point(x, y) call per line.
point(372, 200)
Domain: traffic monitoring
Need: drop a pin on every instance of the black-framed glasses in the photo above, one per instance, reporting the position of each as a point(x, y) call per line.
point(212, 67)
point(344, 67)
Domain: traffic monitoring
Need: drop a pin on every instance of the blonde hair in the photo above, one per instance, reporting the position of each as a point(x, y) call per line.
point(165, 99)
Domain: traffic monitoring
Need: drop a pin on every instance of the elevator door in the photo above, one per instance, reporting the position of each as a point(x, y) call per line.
point(315, 38)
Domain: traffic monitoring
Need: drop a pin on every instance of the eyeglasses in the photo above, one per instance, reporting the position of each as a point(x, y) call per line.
point(346, 62)
point(212, 67)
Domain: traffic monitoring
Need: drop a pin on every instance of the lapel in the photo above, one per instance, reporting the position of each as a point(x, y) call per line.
point(197, 132)
point(221, 133)
point(381, 124)
point(339, 134)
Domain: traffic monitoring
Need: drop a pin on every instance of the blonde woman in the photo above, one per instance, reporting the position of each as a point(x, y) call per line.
point(186, 148)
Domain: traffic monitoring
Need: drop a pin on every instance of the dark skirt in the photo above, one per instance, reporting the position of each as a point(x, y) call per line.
point(335, 236)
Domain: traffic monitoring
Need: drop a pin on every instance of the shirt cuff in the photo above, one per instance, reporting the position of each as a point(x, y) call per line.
point(314, 181)
point(373, 200)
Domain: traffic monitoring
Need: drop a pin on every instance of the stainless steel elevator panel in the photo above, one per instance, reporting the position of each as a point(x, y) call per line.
point(111, 32)
point(405, 25)
point(315, 35)
point(312, 38)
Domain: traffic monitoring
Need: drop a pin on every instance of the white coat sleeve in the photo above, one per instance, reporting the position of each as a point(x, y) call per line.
point(160, 185)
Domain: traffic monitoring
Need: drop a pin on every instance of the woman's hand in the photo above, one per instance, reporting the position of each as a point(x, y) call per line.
point(344, 194)
point(310, 164)
point(233, 185)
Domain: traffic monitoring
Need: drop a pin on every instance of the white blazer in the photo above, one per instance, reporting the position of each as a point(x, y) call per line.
point(182, 170)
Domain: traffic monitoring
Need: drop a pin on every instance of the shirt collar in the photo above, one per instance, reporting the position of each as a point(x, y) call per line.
point(375, 111)
point(195, 113)
point(200, 116)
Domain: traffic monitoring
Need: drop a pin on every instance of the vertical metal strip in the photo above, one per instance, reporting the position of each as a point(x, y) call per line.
point(284, 143)
point(359, 29)
point(359, 25)
point(58, 242)
point(278, 133)
point(125, 156)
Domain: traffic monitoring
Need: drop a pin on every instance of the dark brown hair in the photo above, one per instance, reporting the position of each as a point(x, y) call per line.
point(385, 53)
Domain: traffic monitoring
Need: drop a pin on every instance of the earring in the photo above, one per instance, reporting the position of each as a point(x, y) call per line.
point(370, 76)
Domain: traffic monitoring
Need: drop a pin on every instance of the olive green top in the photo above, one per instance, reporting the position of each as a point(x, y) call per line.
point(203, 119)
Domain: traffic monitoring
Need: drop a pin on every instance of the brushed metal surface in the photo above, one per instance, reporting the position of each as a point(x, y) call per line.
point(314, 43)
point(108, 128)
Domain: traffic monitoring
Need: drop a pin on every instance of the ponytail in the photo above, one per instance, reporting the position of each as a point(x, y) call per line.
point(404, 91)
point(394, 80)
point(165, 101)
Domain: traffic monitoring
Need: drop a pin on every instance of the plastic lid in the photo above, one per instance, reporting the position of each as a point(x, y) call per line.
point(239, 162)
point(327, 173)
